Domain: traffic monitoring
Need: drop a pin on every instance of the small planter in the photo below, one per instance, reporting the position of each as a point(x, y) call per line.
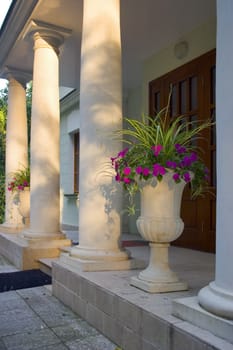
point(24, 205)
point(160, 224)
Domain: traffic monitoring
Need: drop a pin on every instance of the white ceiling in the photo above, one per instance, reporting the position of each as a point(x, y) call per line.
point(147, 26)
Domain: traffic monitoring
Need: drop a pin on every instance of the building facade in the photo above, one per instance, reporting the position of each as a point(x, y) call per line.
point(92, 62)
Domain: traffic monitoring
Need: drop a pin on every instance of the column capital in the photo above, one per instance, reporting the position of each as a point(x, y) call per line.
point(46, 34)
point(21, 76)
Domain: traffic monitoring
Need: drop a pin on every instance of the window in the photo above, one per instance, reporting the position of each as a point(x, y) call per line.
point(76, 162)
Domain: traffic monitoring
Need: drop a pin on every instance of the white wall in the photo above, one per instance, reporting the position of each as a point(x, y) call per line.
point(69, 124)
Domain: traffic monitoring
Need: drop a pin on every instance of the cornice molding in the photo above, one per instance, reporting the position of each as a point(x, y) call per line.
point(70, 102)
point(15, 21)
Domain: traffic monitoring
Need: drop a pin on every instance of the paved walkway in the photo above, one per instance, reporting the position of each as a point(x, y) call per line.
point(33, 319)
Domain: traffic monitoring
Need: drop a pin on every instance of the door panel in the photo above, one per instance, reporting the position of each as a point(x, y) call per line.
point(193, 95)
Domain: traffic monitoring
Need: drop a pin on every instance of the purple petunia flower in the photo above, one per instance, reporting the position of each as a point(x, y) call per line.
point(157, 149)
point(187, 177)
point(176, 177)
point(193, 157)
point(180, 149)
point(186, 162)
point(171, 164)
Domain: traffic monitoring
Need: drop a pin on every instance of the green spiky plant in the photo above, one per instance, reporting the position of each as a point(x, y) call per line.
point(158, 145)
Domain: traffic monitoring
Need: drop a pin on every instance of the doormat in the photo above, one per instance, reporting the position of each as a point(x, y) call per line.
point(23, 279)
point(134, 243)
point(127, 243)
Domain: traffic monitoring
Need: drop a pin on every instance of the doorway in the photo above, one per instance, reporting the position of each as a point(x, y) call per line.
point(193, 95)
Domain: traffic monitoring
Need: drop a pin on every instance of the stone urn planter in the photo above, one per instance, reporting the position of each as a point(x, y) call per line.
point(162, 155)
point(24, 205)
point(160, 224)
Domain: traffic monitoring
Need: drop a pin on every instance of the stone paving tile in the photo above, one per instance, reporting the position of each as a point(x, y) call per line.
point(30, 340)
point(76, 330)
point(16, 321)
point(54, 347)
point(2, 346)
point(33, 319)
point(98, 342)
point(48, 308)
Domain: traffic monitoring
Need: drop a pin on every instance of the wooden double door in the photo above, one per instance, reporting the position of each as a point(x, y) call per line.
point(193, 95)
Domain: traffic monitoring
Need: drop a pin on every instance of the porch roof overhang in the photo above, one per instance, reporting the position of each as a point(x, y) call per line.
point(146, 28)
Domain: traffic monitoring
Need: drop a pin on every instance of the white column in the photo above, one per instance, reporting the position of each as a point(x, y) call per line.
point(218, 296)
point(45, 128)
point(16, 144)
point(100, 114)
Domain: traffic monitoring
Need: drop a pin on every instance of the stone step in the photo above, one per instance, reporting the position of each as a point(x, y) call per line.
point(45, 265)
point(65, 249)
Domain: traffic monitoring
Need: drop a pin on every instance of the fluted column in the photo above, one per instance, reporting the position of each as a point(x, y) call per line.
point(45, 129)
point(100, 114)
point(16, 143)
point(217, 297)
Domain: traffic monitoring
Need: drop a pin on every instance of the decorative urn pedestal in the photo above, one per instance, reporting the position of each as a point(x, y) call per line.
point(24, 205)
point(160, 224)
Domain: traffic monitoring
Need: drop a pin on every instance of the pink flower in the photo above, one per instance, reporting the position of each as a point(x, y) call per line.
point(146, 171)
point(122, 153)
point(126, 180)
point(158, 170)
point(117, 177)
point(127, 170)
point(139, 169)
point(157, 149)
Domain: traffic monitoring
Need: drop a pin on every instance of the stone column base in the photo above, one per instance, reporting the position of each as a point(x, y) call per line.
point(101, 265)
point(11, 228)
point(217, 300)
point(189, 310)
point(158, 287)
point(34, 236)
point(24, 254)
